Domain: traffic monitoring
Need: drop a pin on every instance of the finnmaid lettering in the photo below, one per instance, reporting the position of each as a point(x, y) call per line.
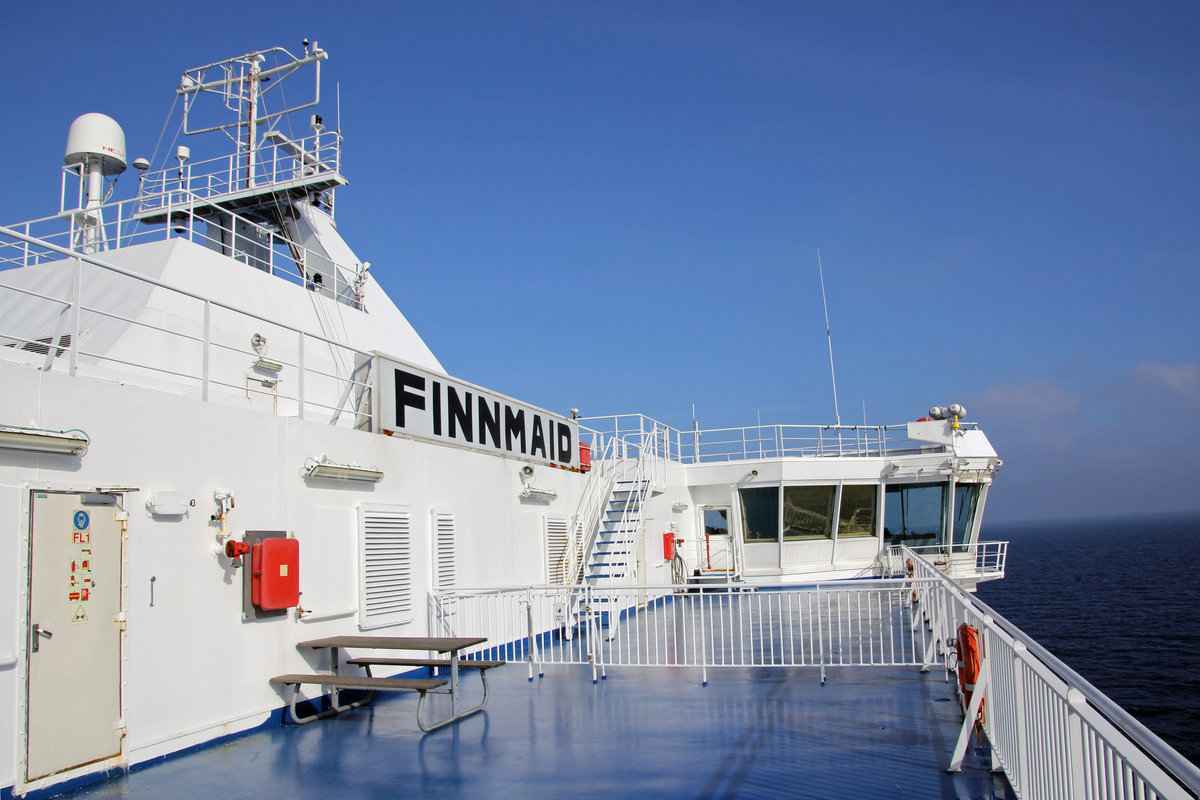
point(446, 410)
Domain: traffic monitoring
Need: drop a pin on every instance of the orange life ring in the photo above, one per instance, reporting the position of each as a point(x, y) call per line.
point(968, 647)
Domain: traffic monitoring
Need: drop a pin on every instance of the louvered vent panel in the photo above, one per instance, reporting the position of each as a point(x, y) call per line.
point(445, 568)
point(557, 542)
point(385, 582)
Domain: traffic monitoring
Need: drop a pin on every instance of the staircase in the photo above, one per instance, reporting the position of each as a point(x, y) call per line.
point(606, 535)
point(613, 557)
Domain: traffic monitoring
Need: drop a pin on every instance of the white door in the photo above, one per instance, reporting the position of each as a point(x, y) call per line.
point(73, 708)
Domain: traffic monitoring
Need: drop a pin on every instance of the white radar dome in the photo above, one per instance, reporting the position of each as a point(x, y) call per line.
point(99, 136)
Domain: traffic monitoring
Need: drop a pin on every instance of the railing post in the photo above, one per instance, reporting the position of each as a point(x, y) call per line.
point(76, 301)
point(1075, 743)
point(529, 637)
point(204, 353)
point(1022, 754)
point(300, 377)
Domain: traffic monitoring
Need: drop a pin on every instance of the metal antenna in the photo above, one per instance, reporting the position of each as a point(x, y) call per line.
point(821, 270)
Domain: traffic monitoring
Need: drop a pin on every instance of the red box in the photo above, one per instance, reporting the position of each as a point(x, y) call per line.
point(275, 576)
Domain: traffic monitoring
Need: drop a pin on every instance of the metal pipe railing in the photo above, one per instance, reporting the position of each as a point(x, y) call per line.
point(765, 441)
point(74, 305)
point(1053, 733)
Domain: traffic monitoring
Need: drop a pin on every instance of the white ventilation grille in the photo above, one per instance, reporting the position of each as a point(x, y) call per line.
point(445, 566)
point(385, 579)
point(557, 542)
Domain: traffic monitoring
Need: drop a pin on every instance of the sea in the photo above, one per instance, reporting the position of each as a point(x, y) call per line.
point(1118, 600)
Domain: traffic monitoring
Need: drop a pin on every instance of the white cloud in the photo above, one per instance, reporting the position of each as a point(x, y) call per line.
point(1181, 380)
point(1034, 399)
point(1122, 447)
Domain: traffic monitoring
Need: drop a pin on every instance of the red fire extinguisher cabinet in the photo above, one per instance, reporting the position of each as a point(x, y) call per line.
point(275, 577)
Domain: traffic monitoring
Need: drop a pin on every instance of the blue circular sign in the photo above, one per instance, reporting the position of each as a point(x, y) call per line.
point(81, 520)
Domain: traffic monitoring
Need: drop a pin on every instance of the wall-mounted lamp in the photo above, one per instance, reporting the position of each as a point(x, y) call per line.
point(39, 440)
point(538, 493)
point(267, 364)
point(324, 468)
point(679, 507)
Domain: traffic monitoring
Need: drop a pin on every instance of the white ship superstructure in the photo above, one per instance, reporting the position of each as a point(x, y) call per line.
point(209, 363)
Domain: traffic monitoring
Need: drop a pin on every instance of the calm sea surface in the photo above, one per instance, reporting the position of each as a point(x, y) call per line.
point(1118, 600)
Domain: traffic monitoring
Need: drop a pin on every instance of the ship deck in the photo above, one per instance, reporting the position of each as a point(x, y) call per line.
point(868, 732)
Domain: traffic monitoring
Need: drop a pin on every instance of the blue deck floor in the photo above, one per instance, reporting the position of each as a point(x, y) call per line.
point(645, 733)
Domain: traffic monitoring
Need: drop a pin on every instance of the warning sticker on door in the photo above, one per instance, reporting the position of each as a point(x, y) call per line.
point(80, 584)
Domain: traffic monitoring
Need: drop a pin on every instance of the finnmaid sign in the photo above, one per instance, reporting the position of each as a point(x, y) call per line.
point(415, 402)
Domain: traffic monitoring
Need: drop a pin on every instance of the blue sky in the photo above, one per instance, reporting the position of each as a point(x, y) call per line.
point(617, 205)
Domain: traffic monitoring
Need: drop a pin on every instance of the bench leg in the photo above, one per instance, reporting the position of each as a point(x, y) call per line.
point(335, 708)
point(455, 715)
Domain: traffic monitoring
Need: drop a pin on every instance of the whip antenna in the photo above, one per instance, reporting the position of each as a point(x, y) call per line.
point(829, 336)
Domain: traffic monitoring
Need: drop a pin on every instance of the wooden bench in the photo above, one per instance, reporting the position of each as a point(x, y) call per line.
point(447, 645)
point(335, 682)
point(444, 663)
point(366, 662)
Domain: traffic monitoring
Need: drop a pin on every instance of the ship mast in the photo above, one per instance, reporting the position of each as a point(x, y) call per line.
point(256, 60)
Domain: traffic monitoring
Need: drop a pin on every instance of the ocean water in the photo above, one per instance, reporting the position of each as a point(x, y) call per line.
point(1118, 600)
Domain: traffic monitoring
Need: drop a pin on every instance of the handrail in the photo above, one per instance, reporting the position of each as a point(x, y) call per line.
point(1054, 734)
point(222, 175)
point(1043, 718)
point(585, 522)
point(208, 345)
point(179, 208)
point(713, 445)
point(987, 559)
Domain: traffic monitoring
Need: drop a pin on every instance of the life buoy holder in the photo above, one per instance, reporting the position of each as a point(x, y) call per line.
point(969, 649)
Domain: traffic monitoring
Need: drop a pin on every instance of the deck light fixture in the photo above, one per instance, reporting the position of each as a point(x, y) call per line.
point(538, 493)
point(324, 468)
point(39, 440)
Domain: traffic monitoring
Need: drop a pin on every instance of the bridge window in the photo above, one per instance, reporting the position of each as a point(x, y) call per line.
point(808, 512)
point(966, 498)
point(760, 513)
point(857, 515)
point(913, 514)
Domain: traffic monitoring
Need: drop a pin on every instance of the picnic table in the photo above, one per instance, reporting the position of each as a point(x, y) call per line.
point(448, 647)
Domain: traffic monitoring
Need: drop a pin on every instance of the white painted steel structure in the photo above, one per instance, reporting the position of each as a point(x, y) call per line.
point(213, 338)
point(1052, 733)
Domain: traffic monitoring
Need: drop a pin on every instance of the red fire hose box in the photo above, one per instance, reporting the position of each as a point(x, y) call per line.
point(275, 577)
point(669, 545)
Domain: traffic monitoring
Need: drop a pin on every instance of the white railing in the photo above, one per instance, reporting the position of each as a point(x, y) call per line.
point(178, 205)
point(585, 522)
point(764, 441)
point(195, 351)
point(863, 623)
point(298, 161)
point(981, 561)
point(1054, 735)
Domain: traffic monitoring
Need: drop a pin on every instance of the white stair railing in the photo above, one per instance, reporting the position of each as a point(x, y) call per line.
point(586, 521)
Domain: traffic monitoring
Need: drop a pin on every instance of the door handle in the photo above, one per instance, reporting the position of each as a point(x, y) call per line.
point(39, 631)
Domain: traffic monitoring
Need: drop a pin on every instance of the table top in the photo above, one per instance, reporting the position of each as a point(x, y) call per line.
point(440, 644)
